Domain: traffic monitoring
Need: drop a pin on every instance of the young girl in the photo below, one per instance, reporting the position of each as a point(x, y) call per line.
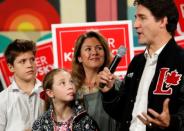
point(63, 114)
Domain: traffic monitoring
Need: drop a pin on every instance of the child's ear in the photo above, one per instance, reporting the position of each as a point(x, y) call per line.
point(10, 67)
point(50, 93)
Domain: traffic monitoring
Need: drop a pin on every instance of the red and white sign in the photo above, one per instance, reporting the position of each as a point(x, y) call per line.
point(180, 26)
point(44, 58)
point(116, 33)
point(44, 62)
point(5, 74)
point(180, 40)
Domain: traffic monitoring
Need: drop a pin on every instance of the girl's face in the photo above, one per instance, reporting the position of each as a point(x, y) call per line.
point(92, 54)
point(63, 87)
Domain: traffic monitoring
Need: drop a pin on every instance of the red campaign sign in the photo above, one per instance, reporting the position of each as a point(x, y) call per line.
point(6, 75)
point(139, 50)
point(180, 40)
point(180, 26)
point(44, 58)
point(44, 62)
point(116, 33)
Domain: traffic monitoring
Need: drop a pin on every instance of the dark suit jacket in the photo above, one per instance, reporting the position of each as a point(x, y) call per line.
point(168, 82)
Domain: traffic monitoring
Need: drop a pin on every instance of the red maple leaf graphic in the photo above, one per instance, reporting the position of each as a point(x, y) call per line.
point(173, 78)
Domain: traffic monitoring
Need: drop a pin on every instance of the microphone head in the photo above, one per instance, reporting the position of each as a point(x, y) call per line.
point(121, 51)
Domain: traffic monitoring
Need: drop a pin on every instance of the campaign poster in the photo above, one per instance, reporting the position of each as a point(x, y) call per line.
point(180, 26)
point(180, 40)
point(115, 32)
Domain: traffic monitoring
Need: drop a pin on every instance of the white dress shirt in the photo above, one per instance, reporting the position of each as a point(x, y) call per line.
point(141, 102)
point(19, 110)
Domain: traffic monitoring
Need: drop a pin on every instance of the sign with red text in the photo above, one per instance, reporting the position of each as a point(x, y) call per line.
point(115, 32)
point(44, 62)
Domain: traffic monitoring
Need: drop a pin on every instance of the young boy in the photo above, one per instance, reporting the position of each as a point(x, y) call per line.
point(20, 103)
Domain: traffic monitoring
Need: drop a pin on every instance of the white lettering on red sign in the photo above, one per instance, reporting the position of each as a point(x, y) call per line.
point(43, 67)
point(111, 42)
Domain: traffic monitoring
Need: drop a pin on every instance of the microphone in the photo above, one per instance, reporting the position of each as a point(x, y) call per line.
point(120, 53)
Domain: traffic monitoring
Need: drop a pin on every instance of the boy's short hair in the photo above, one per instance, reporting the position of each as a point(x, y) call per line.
point(18, 46)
